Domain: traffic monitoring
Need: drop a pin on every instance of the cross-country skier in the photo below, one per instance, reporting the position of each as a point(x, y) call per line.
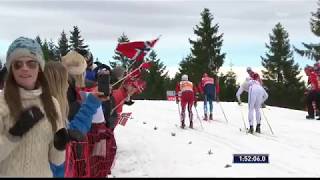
point(312, 91)
point(208, 88)
point(253, 75)
point(256, 97)
point(187, 91)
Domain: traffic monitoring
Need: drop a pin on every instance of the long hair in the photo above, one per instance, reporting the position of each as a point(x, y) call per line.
point(57, 75)
point(13, 98)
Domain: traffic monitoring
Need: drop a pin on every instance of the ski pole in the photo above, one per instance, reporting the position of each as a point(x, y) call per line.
point(265, 117)
point(179, 112)
point(198, 116)
point(223, 112)
point(245, 127)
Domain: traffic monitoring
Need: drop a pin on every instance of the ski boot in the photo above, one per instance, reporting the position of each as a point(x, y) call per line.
point(205, 117)
point(251, 130)
point(309, 117)
point(258, 128)
point(191, 125)
point(182, 124)
point(210, 116)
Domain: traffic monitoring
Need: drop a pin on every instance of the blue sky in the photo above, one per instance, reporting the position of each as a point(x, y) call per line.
point(246, 25)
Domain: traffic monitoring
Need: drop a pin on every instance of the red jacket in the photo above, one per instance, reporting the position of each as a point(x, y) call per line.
point(202, 84)
point(313, 80)
point(188, 88)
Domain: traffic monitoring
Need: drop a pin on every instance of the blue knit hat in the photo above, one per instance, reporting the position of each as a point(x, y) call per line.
point(25, 47)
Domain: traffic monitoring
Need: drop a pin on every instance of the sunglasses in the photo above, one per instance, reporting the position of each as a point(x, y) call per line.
point(32, 64)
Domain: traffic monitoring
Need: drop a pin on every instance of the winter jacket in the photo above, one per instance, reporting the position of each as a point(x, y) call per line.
point(313, 81)
point(29, 155)
point(81, 122)
point(185, 86)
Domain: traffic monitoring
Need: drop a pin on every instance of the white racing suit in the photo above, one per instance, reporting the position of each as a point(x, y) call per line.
point(256, 97)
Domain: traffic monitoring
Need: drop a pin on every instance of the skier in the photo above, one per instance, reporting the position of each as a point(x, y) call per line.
point(187, 91)
point(208, 89)
point(312, 91)
point(256, 97)
point(253, 75)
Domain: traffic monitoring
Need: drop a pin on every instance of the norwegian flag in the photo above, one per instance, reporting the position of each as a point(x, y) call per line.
point(136, 50)
point(124, 118)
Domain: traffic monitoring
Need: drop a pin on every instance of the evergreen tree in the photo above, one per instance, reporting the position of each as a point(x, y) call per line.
point(281, 74)
point(312, 50)
point(54, 53)
point(206, 49)
point(76, 42)
point(228, 86)
point(45, 50)
point(156, 79)
point(38, 39)
point(63, 44)
point(119, 59)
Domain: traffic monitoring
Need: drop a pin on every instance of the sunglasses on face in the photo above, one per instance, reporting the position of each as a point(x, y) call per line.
point(32, 64)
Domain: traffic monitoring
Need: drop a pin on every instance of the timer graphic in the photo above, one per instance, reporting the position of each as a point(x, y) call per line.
point(250, 158)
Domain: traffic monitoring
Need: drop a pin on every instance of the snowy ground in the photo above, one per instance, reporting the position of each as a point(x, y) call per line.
point(294, 149)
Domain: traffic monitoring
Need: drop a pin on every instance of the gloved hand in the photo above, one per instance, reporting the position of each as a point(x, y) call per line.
point(61, 138)
point(177, 100)
point(129, 103)
point(76, 135)
point(195, 103)
point(26, 120)
point(239, 103)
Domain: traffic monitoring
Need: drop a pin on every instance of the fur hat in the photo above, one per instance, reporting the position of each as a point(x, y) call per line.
point(74, 62)
point(25, 47)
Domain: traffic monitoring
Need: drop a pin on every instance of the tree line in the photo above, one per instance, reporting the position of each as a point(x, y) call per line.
point(280, 73)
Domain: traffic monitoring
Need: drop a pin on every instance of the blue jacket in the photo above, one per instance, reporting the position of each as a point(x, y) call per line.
point(79, 122)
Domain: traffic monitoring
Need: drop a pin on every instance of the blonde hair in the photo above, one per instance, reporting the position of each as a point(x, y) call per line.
point(76, 66)
point(57, 75)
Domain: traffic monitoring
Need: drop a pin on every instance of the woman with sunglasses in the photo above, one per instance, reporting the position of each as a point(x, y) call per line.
point(31, 127)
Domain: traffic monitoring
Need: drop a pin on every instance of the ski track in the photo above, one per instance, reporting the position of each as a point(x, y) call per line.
point(138, 155)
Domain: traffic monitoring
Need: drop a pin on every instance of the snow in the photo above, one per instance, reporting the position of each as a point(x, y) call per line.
point(294, 149)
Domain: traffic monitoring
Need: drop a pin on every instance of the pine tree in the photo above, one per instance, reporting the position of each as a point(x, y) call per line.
point(312, 50)
point(44, 47)
point(63, 44)
point(38, 39)
point(45, 50)
point(76, 42)
point(54, 53)
point(206, 49)
point(228, 86)
point(281, 73)
point(156, 78)
point(119, 59)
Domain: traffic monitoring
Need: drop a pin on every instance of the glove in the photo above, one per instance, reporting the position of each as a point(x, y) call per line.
point(195, 104)
point(239, 103)
point(76, 135)
point(177, 101)
point(61, 138)
point(26, 120)
point(129, 103)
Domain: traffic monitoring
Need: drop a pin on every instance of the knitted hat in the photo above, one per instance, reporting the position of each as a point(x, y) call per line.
point(184, 77)
point(74, 62)
point(25, 47)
